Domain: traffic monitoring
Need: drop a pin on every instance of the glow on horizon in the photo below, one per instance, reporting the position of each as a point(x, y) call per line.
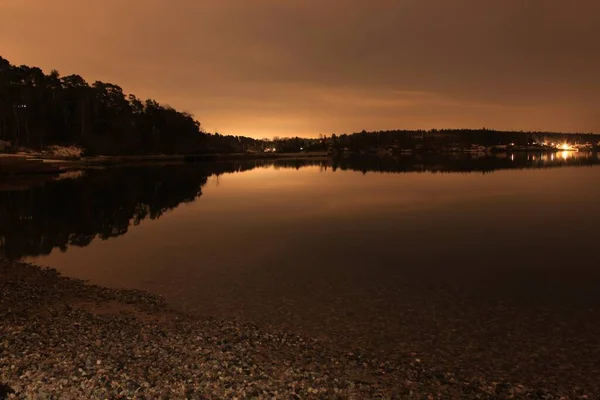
point(265, 74)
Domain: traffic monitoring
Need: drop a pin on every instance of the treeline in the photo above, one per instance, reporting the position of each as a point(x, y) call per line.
point(423, 140)
point(38, 109)
point(296, 144)
point(411, 139)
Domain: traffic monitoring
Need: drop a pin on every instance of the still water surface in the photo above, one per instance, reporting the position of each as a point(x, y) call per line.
point(483, 267)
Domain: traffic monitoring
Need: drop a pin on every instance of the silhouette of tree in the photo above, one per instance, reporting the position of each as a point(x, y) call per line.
point(37, 110)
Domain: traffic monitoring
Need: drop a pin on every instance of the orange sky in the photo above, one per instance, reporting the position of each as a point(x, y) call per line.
point(303, 67)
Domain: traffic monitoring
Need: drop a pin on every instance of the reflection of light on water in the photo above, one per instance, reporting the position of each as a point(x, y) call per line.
point(512, 157)
point(565, 154)
point(552, 157)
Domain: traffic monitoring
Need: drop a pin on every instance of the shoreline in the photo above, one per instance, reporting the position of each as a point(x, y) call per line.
point(66, 338)
point(35, 164)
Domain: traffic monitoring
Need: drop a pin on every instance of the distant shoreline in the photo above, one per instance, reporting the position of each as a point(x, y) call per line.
point(35, 164)
point(39, 164)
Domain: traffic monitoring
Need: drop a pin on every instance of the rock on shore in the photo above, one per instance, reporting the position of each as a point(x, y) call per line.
point(62, 338)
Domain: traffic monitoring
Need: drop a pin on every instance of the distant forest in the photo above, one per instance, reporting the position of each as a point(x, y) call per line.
point(38, 109)
point(437, 139)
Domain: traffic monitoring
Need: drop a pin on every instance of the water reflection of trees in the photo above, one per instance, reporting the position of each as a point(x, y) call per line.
point(101, 204)
point(457, 162)
point(105, 203)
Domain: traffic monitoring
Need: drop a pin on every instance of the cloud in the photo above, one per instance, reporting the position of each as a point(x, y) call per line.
point(304, 67)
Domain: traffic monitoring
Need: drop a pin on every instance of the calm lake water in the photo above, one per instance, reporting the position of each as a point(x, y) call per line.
point(493, 262)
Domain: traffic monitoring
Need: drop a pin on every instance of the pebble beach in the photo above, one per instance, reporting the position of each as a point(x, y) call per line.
point(62, 338)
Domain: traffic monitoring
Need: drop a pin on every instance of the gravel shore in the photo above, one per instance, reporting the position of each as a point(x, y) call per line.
point(62, 338)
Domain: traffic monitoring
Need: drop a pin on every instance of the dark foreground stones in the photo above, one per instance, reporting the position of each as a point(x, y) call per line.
point(5, 390)
point(61, 338)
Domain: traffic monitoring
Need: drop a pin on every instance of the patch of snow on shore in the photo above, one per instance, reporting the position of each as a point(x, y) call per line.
point(70, 175)
point(62, 151)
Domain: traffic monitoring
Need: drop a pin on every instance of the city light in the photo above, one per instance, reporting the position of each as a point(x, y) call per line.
point(566, 147)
